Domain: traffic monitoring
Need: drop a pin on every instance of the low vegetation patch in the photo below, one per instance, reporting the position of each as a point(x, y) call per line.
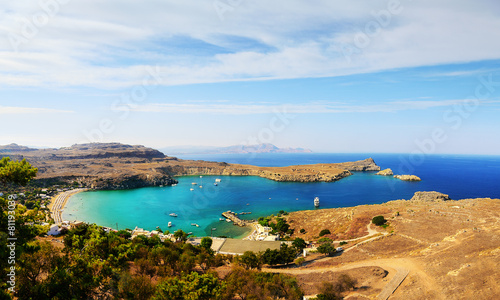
point(379, 220)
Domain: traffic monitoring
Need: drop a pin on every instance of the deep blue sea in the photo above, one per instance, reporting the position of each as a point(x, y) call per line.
point(460, 176)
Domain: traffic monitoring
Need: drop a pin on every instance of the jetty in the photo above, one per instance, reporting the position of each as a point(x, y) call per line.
point(230, 215)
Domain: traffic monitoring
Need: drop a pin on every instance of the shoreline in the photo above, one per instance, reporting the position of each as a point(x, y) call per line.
point(59, 201)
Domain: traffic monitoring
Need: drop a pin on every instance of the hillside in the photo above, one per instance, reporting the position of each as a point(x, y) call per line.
point(449, 249)
point(119, 166)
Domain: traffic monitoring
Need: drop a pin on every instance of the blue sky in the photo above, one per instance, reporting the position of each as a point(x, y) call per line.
point(336, 76)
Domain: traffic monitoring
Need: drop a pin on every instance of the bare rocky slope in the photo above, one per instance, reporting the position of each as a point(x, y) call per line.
point(119, 166)
point(449, 249)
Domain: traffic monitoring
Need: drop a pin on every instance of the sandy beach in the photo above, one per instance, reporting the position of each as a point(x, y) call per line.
point(58, 202)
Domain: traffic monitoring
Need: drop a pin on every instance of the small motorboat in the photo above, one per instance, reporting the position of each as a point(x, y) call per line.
point(173, 215)
point(169, 224)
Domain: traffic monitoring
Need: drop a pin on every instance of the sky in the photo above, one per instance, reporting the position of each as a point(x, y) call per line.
point(393, 76)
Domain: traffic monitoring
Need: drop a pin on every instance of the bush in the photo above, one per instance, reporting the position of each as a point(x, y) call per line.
point(325, 240)
point(379, 220)
point(326, 248)
point(343, 243)
point(324, 232)
point(299, 261)
point(302, 230)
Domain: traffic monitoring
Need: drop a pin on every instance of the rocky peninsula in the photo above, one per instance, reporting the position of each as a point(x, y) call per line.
point(110, 166)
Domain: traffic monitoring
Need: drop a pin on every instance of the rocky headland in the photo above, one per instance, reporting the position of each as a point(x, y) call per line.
point(117, 166)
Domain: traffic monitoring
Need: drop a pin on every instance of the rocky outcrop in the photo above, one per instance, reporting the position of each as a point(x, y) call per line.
point(386, 172)
point(361, 165)
point(315, 177)
point(128, 182)
point(429, 197)
point(408, 177)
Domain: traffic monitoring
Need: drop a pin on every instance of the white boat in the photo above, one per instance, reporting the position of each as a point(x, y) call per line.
point(174, 184)
point(169, 224)
point(191, 189)
point(215, 183)
point(228, 220)
point(201, 186)
point(316, 202)
point(194, 224)
point(221, 219)
point(217, 179)
point(193, 183)
point(173, 215)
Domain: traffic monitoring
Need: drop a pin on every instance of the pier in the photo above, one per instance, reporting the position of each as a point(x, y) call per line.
point(234, 218)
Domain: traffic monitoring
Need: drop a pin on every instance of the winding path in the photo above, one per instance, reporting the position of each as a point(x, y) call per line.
point(402, 266)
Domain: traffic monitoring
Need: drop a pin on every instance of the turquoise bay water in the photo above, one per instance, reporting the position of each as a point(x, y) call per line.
point(459, 176)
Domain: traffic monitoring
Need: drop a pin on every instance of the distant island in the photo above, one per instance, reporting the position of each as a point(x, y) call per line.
point(236, 149)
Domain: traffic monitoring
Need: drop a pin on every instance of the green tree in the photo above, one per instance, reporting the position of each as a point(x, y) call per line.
point(324, 232)
point(325, 240)
point(250, 260)
point(252, 285)
point(299, 243)
point(17, 172)
point(135, 287)
point(379, 220)
point(326, 248)
point(180, 235)
point(190, 286)
point(206, 243)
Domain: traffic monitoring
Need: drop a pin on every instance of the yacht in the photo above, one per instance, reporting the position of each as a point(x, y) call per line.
point(173, 215)
point(316, 202)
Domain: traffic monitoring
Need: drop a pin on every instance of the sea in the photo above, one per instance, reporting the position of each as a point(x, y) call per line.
point(199, 209)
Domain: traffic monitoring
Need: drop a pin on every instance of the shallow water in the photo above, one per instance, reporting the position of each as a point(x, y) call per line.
point(459, 176)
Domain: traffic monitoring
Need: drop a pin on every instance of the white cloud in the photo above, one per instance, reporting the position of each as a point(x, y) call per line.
point(108, 45)
point(10, 110)
point(303, 108)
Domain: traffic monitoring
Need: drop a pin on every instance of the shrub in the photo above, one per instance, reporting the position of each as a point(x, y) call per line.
point(324, 232)
point(299, 261)
point(325, 240)
point(302, 230)
point(379, 220)
point(343, 243)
